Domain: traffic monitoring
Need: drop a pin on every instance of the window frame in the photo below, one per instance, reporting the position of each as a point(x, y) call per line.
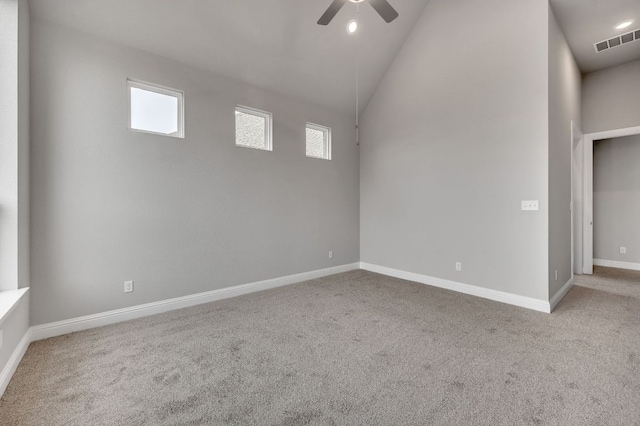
point(162, 90)
point(327, 132)
point(268, 128)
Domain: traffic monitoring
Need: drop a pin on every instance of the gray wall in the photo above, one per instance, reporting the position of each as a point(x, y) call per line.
point(23, 144)
point(177, 216)
point(8, 144)
point(611, 98)
point(14, 143)
point(454, 139)
point(616, 199)
point(14, 162)
point(564, 107)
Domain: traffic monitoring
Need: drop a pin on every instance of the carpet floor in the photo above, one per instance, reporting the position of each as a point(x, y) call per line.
point(354, 348)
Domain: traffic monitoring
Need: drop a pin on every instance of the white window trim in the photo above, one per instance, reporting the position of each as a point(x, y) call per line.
point(268, 128)
point(327, 146)
point(163, 90)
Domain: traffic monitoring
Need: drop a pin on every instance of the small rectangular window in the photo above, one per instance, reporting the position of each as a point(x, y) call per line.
point(155, 109)
point(318, 141)
point(253, 128)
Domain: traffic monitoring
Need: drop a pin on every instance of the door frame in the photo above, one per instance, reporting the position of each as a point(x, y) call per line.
point(577, 138)
point(587, 229)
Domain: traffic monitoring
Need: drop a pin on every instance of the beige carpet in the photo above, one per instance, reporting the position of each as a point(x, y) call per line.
point(355, 348)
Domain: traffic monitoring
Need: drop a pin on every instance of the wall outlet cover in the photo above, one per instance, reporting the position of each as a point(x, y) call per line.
point(530, 205)
point(458, 266)
point(623, 250)
point(128, 286)
point(331, 255)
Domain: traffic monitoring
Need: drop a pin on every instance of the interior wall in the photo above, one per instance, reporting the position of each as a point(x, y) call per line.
point(14, 144)
point(177, 216)
point(14, 188)
point(564, 108)
point(616, 199)
point(23, 144)
point(455, 137)
point(611, 98)
point(9, 144)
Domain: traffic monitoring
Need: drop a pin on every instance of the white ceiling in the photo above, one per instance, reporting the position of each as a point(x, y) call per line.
point(586, 22)
point(274, 44)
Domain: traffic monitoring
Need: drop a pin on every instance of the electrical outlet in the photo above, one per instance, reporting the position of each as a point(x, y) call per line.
point(458, 266)
point(530, 205)
point(623, 250)
point(556, 275)
point(331, 255)
point(128, 286)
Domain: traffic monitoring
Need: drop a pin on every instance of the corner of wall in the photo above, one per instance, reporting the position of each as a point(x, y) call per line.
point(564, 91)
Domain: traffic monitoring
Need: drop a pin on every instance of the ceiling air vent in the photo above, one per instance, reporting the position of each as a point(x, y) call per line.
point(617, 41)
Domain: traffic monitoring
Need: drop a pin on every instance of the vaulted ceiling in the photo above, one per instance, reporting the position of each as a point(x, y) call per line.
point(274, 44)
point(586, 22)
point(277, 45)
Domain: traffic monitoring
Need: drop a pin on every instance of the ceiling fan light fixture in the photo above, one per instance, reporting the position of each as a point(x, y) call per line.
point(352, 26)
point(623, 25)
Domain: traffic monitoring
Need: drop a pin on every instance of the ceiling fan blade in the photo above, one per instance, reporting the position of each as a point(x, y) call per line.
point(384, 9)
point(333, 9)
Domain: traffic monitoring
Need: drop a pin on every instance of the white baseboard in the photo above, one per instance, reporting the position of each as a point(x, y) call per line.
point(617, 264)
point(44, 331)
point(561, 293)
point(499, 296)
point(14, 360)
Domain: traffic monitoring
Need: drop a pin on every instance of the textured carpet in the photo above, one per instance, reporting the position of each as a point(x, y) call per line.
point(354, 348)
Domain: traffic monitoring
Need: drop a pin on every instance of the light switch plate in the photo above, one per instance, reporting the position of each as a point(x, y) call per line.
point(531, 205)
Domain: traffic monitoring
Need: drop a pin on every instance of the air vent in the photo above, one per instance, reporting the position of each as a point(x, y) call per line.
point(617, 41)
point(602, 46)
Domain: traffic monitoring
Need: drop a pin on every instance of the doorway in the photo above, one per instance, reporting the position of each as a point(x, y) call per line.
point(587, 219)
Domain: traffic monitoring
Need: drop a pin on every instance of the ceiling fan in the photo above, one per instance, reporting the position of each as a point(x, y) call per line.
point(383, 8)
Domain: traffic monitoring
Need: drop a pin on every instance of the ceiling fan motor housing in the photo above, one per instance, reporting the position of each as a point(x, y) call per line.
point(384, 9)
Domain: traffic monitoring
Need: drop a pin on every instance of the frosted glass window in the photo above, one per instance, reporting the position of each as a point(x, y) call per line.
point(155, 109)
point(318, 141)
point(253, 128)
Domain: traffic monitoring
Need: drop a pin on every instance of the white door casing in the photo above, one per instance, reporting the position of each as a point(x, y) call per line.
point(589, 138)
